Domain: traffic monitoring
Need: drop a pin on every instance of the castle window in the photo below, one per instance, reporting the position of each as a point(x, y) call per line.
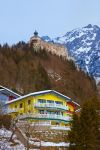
point(21, 105)
point(29, 102)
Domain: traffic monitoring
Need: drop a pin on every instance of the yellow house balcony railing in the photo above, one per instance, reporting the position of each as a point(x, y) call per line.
point(50, 106)
point(11, 110)
point(44, 116)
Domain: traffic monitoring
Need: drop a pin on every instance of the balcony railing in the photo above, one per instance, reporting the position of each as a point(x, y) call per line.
point(45, 116)
point(11, 110)
point(51, 106)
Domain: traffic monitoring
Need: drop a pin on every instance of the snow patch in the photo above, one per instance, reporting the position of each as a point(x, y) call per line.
point(4, 141)
point(97, 80)
point(48, 144)
point(83, 49)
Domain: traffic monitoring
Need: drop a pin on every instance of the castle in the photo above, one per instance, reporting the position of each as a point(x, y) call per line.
point(37, 43)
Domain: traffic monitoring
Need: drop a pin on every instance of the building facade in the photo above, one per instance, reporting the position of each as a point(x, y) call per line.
point(7, 94)
point(44, 106)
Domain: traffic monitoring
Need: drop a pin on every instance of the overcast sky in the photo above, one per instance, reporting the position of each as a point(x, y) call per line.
point(19, 18)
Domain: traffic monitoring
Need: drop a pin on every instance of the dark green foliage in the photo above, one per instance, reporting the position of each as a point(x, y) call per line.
point(41, 79)
point(74, 134)
point(89, 126)
point(84, 134)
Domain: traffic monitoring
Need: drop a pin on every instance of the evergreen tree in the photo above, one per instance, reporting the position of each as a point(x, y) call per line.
point(89, 127)
point(84, 134)
point(41, 79)
point(74, 134)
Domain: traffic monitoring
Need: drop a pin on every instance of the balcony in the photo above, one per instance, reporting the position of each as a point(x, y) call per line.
point(11, 110)
point(50, 106)
point(45, 116)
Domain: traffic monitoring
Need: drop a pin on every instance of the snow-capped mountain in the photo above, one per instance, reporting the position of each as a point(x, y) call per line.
point(84, 45)
point(47, 38)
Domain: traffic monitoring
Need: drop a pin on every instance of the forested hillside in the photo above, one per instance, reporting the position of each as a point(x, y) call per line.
point(24, 70)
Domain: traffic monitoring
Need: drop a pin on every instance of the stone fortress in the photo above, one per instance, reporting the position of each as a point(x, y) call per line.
point(37, 43)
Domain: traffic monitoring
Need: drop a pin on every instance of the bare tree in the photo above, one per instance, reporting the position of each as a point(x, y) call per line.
point(29, 128)
point(13, 128)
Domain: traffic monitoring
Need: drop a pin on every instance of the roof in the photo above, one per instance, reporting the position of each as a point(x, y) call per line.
point(2, 88)
point(74, 103)
point(39, 93)
point(78, 110)
point(35, 33)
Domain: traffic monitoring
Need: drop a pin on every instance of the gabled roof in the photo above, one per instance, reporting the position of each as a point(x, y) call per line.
point(41, 93)
point(74, 103)
point(2, 88)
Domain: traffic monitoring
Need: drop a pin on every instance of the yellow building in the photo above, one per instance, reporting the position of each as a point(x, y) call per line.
point(47, 106)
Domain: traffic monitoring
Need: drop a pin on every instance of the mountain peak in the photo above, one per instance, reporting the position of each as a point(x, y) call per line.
point(89, 26)
point(46, 38)
point(92, 26)
point(84, 45)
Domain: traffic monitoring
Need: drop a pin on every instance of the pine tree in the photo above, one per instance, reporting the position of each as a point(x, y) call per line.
point(74, 134)
point(89, 127)
point(41, 79)
point(84, 134)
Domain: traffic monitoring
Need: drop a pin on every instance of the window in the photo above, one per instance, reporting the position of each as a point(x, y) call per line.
point(62, 113)
point(41, 111)
point(49, 112)
point(21, 105)
point(41, 101)
point(57, 113)
point(57, 102)
point(15, 106)
point(50, 101)
point(29, 111)
point(29, 102)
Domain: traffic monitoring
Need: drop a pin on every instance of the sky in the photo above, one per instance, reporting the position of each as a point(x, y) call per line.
point(20, 18)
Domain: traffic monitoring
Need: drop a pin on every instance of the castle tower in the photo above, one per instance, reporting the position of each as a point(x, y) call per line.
point(35, 41)
point(35, 34)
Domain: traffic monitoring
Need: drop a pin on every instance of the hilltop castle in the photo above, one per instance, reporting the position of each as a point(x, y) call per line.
point(37, 43)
